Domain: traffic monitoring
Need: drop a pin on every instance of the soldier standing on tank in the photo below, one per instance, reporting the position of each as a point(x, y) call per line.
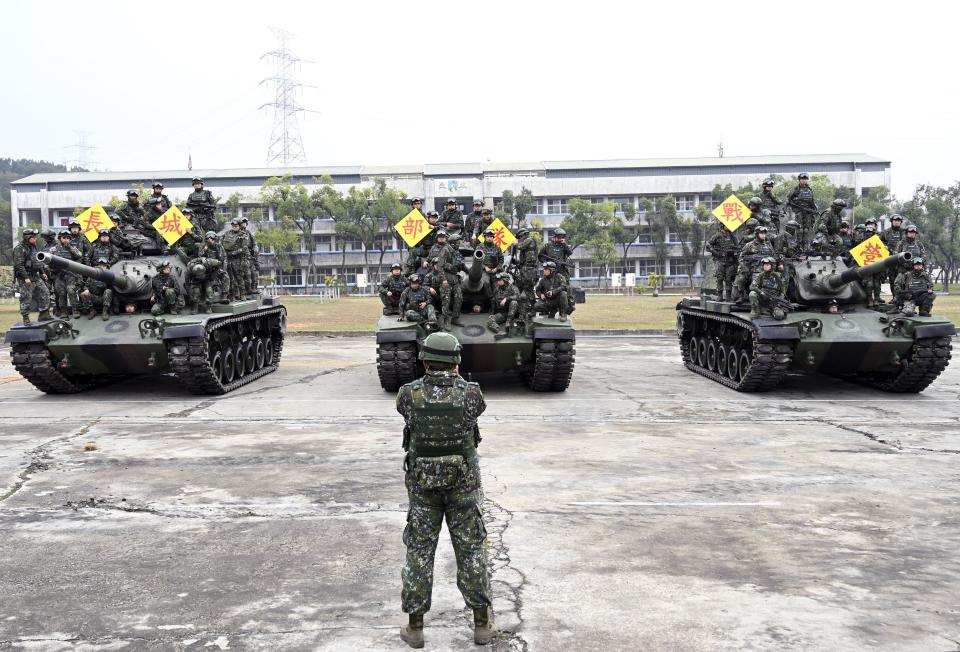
point(104, 249)
point(452, 218)
point(804, 205)
point(159, 198)
point(486, 219)
point(492, 260)
point(871, 284)
point(48, 242)
point(829, 221)
point(524, 261)
point(858, 233)
point(131, 215)
point(30, 277)
point(766, 288)
point(558, 251)
point(253, 256)
point(94, 292)
point(212, 261)
point(443, 482)
point(472, 221)
point(723, 246)
point(846, 242)
point(914, 287)
point(552, 292)
point(772, 204)
point(891, 239)
point(234, 244)
point(911, 244)
point(391, 287)
point(787, 243)
point(504, 306)
point(65, 282)
point(828, 245)
point(204, 206)
point(750, 257)
point(79, 240)
point(450, 263)
point(166, 295)
point(415, 303)
point(417, 259)
point(755, 204)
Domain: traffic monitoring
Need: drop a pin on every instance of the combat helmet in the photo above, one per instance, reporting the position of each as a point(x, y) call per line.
point(558, 231)
point(522, 231)
point(196, 180)
point(440, 347)
point(918, 261)
point(103, 232)
point(489, 232)
point(133, 192)
point(211, 235)
point(29, 233)
point(395, 266)
point(896, 216)
point(841, 203)
point(550, 265)
point(754, 201)
point(768, 260)
point(768, 182)
point(912, 227)
point(441, 233)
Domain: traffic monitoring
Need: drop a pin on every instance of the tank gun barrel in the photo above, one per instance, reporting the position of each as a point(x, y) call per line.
point(836, 281)
point(474, 281)
point(121, 283)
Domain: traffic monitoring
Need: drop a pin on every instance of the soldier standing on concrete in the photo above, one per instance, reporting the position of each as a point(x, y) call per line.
point(30, 278)
point(443, 482)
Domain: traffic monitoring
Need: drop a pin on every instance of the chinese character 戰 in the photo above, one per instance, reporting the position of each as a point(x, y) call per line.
point(732, 212)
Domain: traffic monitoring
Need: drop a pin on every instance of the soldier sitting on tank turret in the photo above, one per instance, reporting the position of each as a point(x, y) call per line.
point(788, 243)
point(417, 255)
point(153, 209)
point(830, 219)
point(452, 218)
point(391, 287)
point(551, 292)
point(206, 271)
point(914, 289)
point(79, 240)
point(166, 295)
point(724, 248)
point(492, 260)
point(191, 240)
point(768, 291)
point(415, 303)
point(504, 307)
point(827, 245)
point(131, 215)
point(104, 249)
point(64, 282)
point(440, 285)
point(750, 257)
point(94, 294)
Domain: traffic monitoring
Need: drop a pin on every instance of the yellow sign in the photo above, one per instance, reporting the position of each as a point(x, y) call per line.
point(501, 234)
point(172, 225)
point(92, 220)
point(869, 251)
point(412, 227)
point(732, 213)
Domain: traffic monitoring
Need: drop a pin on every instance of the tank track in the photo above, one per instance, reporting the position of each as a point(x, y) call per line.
point(396, 364)
point(552, 366)
point(34, 363)
point(194, 367)
point(768, 360)
point(927, 359)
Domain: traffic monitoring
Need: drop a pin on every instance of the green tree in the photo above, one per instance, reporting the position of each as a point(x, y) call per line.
point(657, 224)
point(523, 205)
point(936, 212)
point(628, 234)
point(295, 202)
point(876, 204)
point(280, 237)
point(385, 207)
point(6, 234)
point(596, 227)
point(689, 231)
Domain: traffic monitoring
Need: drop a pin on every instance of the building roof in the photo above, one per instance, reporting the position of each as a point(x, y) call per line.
point(451, 169)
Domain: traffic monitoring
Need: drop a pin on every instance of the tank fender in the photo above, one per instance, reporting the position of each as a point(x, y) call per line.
point(549, 333)
point(777, 332)
point(934, 330)
point(22, 335)
point(183, 331)
point(396, 336)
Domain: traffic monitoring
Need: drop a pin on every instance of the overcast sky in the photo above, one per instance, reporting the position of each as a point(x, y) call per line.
point(432, 82)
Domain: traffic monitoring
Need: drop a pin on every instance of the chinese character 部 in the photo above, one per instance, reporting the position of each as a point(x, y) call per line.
point(412, 227)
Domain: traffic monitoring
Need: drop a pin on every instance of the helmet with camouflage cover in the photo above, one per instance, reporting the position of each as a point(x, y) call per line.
point(196, 180)
point(29, 233)
point(64, 234)
point(858, 227)
point(503, 276)
point(870, 220)
point(47, 233)
point(163, 262)
point(793, 224)
point(487, 211)
point(803, 175)
point(133, 192)
point(395, 266)
point(211, 235)
point(522, 231)
point(103, 232)
point(456, 237)
point(918, 261)
point(156, 184)
point(415, 278)
point(896, 217)
point(441, 233)
point(768, 183)
point(912, 228)
point(838, 203)
point(761, 229)
point(74, 223)
point(549, 265)
point(451, 201)
point(489, 233)
point(844, 224)
point(754, 201)
point(440, 347)
point(768, 260)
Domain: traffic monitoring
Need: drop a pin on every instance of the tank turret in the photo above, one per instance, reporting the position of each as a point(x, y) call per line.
point(120, 283)
point(815, 281)
point(131, 278)
point(837, 281)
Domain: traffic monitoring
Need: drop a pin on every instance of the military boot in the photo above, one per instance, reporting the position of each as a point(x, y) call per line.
point(482, 626)
point(91, 313)
point(456, 321)
point(26, 320)
point(412, 632)
point(44, 316)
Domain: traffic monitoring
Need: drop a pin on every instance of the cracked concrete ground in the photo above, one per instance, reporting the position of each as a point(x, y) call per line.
point(645, 509)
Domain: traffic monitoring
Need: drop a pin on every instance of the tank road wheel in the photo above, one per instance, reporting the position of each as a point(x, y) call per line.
point(396, 364)
point(229, 366)
point(744, 364)
point(216, 364)
point(239, 361)
point(268, 352)
point(712, 355)
point(722, 359)
point(249, 358)
point(733, 364)
point(702, 351)
point(694, 346)
point(34, 363)
point(259, 353)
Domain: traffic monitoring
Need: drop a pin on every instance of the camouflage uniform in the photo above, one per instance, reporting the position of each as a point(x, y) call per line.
point(100, 296)
point(750, 257)
point(829, 246)
point(724, 248)
point(914, 247)
point(525, 259)
point(162, 201)
point(892, 238)
point(440, 287)
point(558, 252)
point(830, 219)
point(80, 242)
point(787, 243)
point(504, 306)
point(132, 215)
point(804, 205)
point(395, 285)
point(100, 250)
point(26, 267)
point(443, 482)
point(492, 258)
point(253, 258)
point(772, 204)
point(410, 301)
point(452, 217)
point(65, 283)
point(772, 283)
point(213, 259)
point(871, 284)
point(235, 246)
point(552, 295)
point(204, 206)
point(914, 286)
point(472, 223)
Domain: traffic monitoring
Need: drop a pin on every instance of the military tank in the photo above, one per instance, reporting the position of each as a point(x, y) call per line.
point(235, 344)
point(541, 350)
point(830, 329)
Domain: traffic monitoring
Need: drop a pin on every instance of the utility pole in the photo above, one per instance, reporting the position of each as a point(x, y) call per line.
point(286, 146)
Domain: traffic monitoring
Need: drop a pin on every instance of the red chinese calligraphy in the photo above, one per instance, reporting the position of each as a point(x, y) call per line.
point(412, 227)
point(871, 253)
point(94, 222)
point(732, 212)
point(499, 238)
point(170, 224)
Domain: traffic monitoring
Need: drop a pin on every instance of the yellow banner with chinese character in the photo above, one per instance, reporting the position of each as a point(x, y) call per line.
point(869, 251)
point(172, 225)
point(412, 227)
point(93, 220)
point(732, 213)
point(501, 234)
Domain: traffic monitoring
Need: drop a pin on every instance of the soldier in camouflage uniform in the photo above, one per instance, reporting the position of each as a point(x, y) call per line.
point(847, 243)
point(235, 245)
point(443, 482)
point(486, 219)
point(417, 259)
point(440, 288)
point(492, 260)
point(891, 239)
point(191, 240)
point(415, 303)
point(828, 245)
point(95, 293)
point(524, 263)
point(787, 243)
point(472, 221)
point(452, 218)
point(79, 240)
point(104, 249)
point(47, 243)
point(914, 288)
point(391, 287)
point(557, 251)
point(552, 292)
point(206, 271)
point(153, 209)
point(804, 205)
point(871, 284)
point(131, 215)
point(504, 306)
point(749, 262)
point(159, 198)
point(64, 282)
point(724, 248)
point(858, 233)
point(772, 204)
point(830, 219)
point(912, 244)
point(166, 295)
point(768, 290)
point(253, 256)
point(30, 277)
point(204, 206)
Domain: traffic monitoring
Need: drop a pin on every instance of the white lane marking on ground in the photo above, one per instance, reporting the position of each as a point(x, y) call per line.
point(633, 503)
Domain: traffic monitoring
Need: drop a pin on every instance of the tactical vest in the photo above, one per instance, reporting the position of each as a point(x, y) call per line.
point(892, 237)
point(395, 285)
point(438, 426)
point(770, 282)
point(917, 283)
point(527, 250)
point(914, 247)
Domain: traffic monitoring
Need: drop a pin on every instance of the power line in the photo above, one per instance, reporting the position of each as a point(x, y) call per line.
point(286, 146)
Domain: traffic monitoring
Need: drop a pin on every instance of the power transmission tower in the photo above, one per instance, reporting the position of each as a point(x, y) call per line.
point(82, 159)
point(286, 146)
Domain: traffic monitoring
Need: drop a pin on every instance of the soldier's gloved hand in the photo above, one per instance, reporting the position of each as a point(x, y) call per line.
point(27, 281)
point(433, 292)
point(85, 293)
point(389, 293)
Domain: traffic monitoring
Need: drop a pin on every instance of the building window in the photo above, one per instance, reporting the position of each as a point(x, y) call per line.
point(590, 270)
point(252, 214)
point(621, 202)
point(29, 217)
point(348, 275)
point(680, 268)
point(644, 235)
point(557, 207)
point(292, 278)
point(685, 202)
point(225, 212)
point(647, 266)
point(319, 275)
point(708, 200)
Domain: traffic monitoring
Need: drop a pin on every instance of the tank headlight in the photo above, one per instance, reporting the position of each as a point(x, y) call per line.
point(178, 350)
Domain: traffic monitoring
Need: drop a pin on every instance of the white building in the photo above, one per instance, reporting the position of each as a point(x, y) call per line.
point(50, 198)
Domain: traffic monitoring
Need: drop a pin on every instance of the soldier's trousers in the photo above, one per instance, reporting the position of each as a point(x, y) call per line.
point(427, 314)
point(239, 276)
point(726, 272)
point(65, 289)
point(254, 276)
point(461, 509)
point(503, 315)
point(36, 292)
point(557, 303)
point(741, 285)
point(391, 305)
point(167, 301)
point(104, 301)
